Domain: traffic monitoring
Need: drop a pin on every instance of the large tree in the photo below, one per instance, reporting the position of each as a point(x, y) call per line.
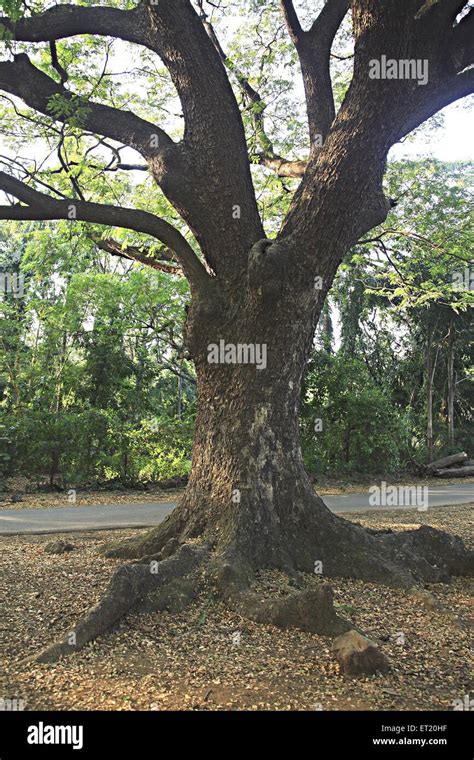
point(249, 503)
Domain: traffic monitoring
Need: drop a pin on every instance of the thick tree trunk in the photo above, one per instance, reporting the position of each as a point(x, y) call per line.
point(248, 494)
point(249, 504)
point(448, 461)
point(248, 488)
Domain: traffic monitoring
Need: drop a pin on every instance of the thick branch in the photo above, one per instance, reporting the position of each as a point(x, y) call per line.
point(214, 145)
point(210, 169)
point(69, 20)
point(314, 51)
point(129, 167)
point(252, 97)
point(19, 77)
point(291, 19)
point(40, 206)
point(378, 111)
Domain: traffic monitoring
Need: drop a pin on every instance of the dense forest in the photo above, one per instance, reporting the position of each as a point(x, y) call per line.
point(96, 387)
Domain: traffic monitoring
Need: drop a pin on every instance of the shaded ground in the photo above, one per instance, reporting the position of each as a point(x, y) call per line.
point(193, 660)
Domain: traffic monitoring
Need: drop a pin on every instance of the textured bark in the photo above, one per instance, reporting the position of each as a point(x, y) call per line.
point(454, 472)
point(310, 610)
point(129, 585)
point(314, 48)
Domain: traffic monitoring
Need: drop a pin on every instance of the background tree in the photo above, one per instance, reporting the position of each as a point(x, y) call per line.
point(90, 356)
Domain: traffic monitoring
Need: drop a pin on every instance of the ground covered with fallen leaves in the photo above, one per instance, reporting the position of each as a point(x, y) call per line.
point(207, 658)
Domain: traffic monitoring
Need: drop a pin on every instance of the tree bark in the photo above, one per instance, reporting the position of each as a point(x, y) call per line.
point(430, 370)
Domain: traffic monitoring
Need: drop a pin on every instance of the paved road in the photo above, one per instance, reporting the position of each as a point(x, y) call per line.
point(70, 519)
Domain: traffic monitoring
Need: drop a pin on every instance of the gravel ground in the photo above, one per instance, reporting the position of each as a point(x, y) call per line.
point(195, 660)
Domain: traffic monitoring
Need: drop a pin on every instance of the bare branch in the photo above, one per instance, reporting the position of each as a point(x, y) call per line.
point(214, 137)
point(63, 75)
point(130, 167)
point(268, 157)
point(291, 19)
point(282, 166)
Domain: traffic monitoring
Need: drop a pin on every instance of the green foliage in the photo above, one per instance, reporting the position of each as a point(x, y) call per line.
point(405, 295)
point(360, 432)
point(74, 109)
point(91, 361)
point(95, 387)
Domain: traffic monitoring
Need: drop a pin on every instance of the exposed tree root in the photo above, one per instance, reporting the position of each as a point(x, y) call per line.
point(150, 544)
point(311, 610)
point(444, 554)
point(309, 538)
point(128, 586)
point(175, 596)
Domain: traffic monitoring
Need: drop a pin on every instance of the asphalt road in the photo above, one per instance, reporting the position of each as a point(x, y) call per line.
point(138, 515)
